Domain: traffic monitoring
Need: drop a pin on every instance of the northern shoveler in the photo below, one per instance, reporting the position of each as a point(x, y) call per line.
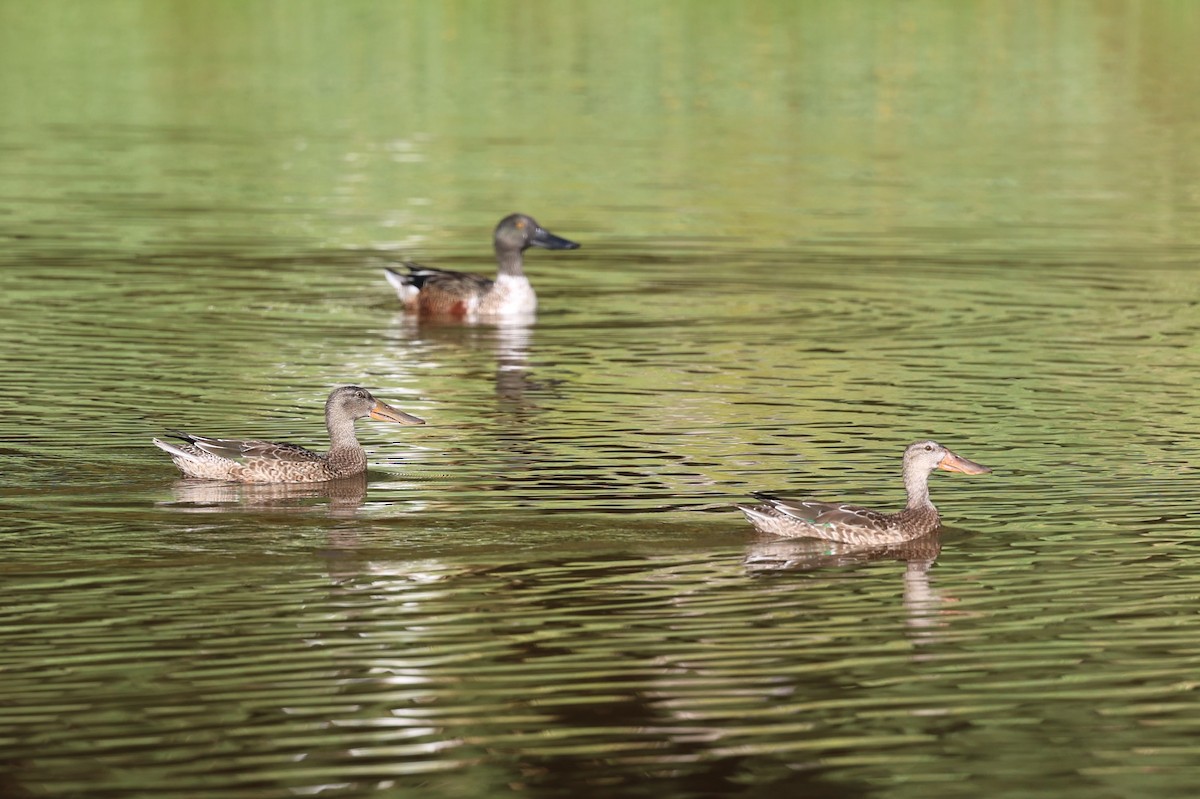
point(462, 295)
point(850, 524)
point(273, 462)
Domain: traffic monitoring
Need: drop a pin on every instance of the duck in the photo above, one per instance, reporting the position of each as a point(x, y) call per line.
point(462, 295)
point(850, 524)
point(252, 461)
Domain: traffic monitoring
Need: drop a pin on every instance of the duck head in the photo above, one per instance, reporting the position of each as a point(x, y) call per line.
point(354, 402)
point(925, 456)
point(520, 232)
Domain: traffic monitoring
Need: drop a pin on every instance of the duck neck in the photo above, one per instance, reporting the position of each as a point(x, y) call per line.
point(916, 483)
point(341, 434)
point(511, 262)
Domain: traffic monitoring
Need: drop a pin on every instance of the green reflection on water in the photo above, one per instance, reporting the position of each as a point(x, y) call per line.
point(812, 232)
point(774, 121)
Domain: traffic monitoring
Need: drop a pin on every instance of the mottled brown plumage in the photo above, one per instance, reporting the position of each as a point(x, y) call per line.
point(851, 524)
point(248, 461)
point(466, 296)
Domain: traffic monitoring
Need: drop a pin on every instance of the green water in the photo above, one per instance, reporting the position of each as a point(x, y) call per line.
point(811, 233)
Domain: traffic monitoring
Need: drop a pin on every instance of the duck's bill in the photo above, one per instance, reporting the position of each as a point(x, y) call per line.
point(544, 238)
point(382, 412)
point(953, 463)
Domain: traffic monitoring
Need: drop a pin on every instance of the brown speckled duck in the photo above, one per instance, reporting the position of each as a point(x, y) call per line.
point(850, 524)
point(273, 462)
point(465, 296)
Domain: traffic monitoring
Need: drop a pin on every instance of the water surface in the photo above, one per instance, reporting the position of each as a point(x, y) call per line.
point(811, 234)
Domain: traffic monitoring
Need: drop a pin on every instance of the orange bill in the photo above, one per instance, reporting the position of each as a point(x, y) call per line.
point(383, 412)
point(952, 463)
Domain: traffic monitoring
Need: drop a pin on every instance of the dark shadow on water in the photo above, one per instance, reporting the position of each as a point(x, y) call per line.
point(11, 786)
point(745, 777)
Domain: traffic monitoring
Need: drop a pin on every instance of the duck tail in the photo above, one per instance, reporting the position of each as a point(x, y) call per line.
point(406, 284)
point(172, 450)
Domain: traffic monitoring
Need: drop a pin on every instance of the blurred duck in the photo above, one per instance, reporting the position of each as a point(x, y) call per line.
point(850, 524)
point(461, 295)
point(273, 462)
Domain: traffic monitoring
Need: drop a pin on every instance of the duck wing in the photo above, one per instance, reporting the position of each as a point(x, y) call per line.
point(833, 514)
point(439, 291)
point(244, 451)
point(422, 278)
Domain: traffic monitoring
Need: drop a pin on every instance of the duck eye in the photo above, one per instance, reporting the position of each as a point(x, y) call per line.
point(928, 448)
point(361, 394)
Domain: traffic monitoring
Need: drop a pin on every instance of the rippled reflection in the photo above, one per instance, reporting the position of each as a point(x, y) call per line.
point(339, 498)
point(812, 233)
point(506, 342)
point(800, 554)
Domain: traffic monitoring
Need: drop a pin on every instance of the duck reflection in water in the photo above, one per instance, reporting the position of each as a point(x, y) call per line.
point(507, 343)
point(339, 498)
point(513, 380)
point(921, 601)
